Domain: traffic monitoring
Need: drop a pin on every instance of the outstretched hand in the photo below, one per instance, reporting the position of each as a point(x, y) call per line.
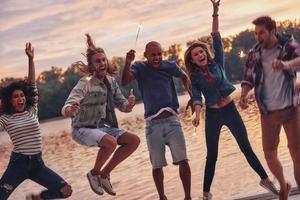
point(29, 50)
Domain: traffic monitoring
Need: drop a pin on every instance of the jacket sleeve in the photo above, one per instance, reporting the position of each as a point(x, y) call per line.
point(218, 49)
point(248, 70)
point(197, 94)
point(119, 100)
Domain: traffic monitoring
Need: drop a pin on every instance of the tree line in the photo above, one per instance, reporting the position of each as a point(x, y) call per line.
point(55, 84)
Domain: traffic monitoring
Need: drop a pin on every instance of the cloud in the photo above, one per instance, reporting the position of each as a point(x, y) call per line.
point(57, 28)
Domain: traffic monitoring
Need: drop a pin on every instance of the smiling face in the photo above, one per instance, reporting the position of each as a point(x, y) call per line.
point(263, 36)
point(100, 64)
point(199, 56)
point(18, 101)
point(153, 54)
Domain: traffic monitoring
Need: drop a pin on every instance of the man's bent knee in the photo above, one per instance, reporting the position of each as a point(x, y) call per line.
point(109, 143)
point(135, 142)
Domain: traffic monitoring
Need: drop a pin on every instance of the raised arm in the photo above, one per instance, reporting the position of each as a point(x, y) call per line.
point(128, 76)
point(31, 70)
point(215, 23)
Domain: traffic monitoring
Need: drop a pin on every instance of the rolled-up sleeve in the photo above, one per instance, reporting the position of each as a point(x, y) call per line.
point(197, 95)
point(248, 70)
point(119, 100)
point(218, 48)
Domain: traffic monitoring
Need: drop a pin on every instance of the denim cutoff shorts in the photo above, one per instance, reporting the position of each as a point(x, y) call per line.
point(92, 136)
point(161, 133)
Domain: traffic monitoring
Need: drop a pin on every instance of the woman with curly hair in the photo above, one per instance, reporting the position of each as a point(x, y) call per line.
point(20, 120)
point(207, 73)
point(91, 105)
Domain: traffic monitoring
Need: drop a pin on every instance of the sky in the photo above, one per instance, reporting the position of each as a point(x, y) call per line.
point(56, 28)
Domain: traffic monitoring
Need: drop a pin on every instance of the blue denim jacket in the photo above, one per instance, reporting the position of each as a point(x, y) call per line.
point(221, 87)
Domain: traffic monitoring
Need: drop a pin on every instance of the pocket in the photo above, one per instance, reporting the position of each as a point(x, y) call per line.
point(175, 123)
point(77, 135)
point(148, 130)
point(15, 159)
point(40, 160)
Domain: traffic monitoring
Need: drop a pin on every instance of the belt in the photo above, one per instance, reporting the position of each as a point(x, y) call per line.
point(163, 115)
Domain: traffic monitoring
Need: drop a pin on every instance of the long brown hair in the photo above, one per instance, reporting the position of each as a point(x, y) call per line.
point(91, 50)
point(190, 66)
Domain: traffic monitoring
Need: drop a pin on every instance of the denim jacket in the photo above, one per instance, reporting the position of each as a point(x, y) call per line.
point(253, 70)
point(97, 102)
point(221, 88)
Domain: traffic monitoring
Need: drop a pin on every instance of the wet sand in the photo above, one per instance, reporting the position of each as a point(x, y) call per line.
point(132, 179)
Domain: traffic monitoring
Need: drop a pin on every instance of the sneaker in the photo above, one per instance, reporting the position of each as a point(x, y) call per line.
point(269, 185)
point(209, 197)
point(95, 183)
point(107, 185)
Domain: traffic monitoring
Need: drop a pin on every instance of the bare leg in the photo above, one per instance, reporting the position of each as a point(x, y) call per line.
point(292, 129)
point(270, 140)
point(158, 177)
point(128, 144)
point(185, 176)
point(107, 146)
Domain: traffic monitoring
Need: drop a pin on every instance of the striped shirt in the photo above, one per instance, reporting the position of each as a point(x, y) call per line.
point(24, 131)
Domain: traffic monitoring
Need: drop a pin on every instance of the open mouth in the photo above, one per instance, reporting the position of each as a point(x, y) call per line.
point(102, 68)
point(202, 59)
point(156, 62)
point(20, 104)
point(260, 42)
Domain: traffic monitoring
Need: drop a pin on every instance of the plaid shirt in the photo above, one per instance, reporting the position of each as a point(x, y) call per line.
point(253, 70)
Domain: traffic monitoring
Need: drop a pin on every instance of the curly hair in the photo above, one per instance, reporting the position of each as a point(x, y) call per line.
point(6, 95)
point(190, 66)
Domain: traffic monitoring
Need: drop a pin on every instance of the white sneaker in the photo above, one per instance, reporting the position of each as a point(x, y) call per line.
point(269, 185)
point(107, 185)
point(95, 183)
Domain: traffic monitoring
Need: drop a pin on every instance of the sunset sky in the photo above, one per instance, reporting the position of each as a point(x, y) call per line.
point(57, 27)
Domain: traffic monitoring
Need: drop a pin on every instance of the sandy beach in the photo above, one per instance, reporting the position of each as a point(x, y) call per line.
point(132, 179)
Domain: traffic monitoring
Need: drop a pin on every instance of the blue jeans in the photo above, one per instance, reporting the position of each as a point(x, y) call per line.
point(22, 167)
point(230, 117)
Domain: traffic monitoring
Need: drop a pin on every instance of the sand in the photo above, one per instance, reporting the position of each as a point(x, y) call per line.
point(132, 179)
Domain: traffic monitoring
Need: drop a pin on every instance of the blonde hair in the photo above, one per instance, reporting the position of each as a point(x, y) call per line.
point(91, 50)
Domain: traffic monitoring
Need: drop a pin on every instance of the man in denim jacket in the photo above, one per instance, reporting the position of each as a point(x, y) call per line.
point(91, 105)
point(275, 93)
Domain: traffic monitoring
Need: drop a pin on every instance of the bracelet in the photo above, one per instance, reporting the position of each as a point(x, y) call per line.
point(215, 15)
